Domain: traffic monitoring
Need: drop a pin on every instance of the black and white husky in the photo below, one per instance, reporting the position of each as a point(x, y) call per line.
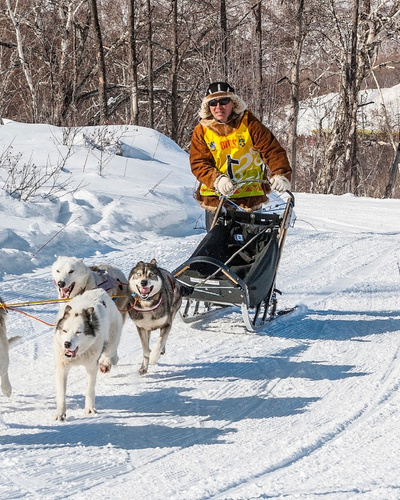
point(156, 298)
point(5, 345)
point(88, 332)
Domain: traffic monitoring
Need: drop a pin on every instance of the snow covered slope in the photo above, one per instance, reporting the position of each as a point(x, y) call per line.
point(308, 408)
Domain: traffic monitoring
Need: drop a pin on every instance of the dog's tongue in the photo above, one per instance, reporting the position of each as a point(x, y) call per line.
point(65, 293)
point(71, 354)
point(145, 290)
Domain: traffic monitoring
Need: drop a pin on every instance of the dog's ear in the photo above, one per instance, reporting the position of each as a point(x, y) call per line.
point(90, 311)
point(66, 313)
point(153, 262)
point(65, 316)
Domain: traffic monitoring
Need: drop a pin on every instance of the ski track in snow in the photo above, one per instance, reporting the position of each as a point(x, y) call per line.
point(220, 394)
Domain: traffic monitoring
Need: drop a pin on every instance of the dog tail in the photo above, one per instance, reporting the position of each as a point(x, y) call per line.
point(185, 290)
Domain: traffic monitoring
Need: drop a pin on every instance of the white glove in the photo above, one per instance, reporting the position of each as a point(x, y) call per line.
point(279, 183)
point(224, 185)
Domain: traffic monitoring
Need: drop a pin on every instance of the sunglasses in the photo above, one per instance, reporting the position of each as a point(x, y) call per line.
point(223, 102)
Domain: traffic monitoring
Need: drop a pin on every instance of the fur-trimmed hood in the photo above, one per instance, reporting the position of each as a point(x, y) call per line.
point(239, 106)
point(218, 90)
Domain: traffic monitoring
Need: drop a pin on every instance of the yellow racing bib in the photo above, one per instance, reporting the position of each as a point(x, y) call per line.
point(236, 157)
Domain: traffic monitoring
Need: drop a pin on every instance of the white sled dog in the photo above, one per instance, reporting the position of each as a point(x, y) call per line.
point(156, 298)
point(88, 332)
point(72, 277)
point(5, 345)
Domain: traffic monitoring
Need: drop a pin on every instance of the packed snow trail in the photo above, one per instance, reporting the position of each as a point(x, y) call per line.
point(308, 407)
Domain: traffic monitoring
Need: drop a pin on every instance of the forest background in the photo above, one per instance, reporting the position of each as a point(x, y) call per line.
point(72, 63)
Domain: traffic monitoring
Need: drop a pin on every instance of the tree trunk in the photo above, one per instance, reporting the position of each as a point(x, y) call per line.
point(259, 72)
point(101, 65)
point(295, 84)
point(338, 174)
point(25, 66)
point(174, 72)
point(350, 156)
point(389, 193)
point(150, 65)
point(224, 42)
point(133, 64)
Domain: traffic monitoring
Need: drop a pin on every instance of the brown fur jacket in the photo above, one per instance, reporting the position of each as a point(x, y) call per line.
point(203, 165)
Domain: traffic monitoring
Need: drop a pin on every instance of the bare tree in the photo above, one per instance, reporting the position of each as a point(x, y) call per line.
point(101, 65)
point(133, 63)
point(174, 71)
point(150, 85)
point(224, 39)
point(353, 85)
point(56, 68)
point(23, 61)
point(299, 35)
point(259, 57)
point(354, 51)
point(390, 188)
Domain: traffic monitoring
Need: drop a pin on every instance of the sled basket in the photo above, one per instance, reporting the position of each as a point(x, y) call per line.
point(235, 265)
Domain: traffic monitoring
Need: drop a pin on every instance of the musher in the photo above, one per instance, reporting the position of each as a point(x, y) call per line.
point(230, 145)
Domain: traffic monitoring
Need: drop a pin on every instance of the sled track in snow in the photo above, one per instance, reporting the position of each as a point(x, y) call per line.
point(389, 391)
point(271, 358)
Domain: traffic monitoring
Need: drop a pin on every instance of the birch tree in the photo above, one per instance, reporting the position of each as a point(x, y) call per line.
point(16, 21)
point(357, 45)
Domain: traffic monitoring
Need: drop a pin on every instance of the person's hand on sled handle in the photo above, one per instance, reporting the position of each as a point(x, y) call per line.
point(224, 185)
point(279, 183)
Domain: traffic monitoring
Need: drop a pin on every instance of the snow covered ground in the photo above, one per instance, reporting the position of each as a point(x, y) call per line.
point(308, 408)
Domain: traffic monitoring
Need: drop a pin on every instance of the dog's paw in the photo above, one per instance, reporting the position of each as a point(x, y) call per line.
point(105, 368)
point(144, 366)
point(142, 370)
point(6, 386)
point(6, 391)
point(90, 410)
point(61, 417)
point(105, 364)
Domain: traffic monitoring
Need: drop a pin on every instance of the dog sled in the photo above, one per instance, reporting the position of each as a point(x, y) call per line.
point(236, 264)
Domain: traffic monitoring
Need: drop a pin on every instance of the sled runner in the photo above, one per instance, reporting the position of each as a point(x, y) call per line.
point(236, 264)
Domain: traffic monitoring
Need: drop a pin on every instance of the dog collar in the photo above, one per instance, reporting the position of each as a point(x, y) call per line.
point(148, 309)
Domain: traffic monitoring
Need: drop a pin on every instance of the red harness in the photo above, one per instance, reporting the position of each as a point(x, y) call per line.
point(149, 309)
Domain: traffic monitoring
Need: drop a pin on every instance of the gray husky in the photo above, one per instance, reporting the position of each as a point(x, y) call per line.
point(156, 298)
